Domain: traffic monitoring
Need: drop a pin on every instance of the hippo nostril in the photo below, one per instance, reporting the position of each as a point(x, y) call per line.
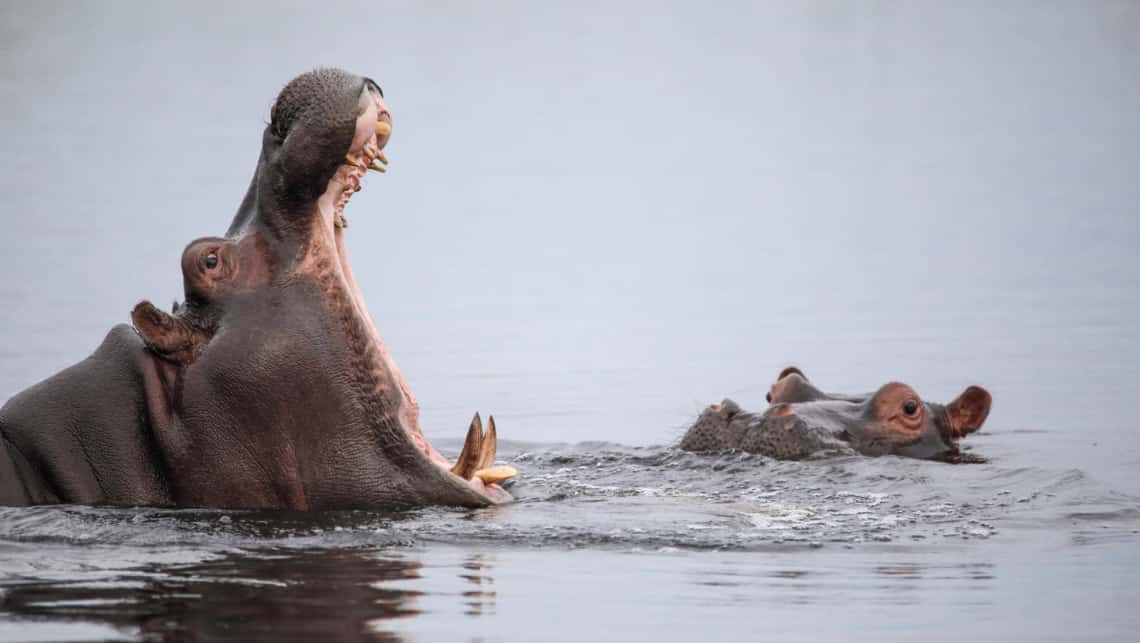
point(768, 397)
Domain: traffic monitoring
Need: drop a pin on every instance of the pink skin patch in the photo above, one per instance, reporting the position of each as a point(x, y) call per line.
point(783, 410)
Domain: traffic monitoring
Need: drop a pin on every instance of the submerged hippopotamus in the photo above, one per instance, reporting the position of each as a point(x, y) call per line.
point(802, 420)
point(269, 386)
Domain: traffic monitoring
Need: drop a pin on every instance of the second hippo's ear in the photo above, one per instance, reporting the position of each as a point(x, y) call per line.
point(783, 391)
point(171, 338)
point(968, 412)
point(791, 370)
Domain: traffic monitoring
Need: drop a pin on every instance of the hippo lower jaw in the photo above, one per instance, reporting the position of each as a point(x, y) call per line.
point(474, 465)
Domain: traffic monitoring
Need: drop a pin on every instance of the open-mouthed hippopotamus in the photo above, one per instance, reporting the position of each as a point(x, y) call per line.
point(803, 420)
point(269, 386)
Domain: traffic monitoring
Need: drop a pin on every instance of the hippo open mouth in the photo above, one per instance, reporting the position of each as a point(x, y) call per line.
point(292, 281)
point(268, 386)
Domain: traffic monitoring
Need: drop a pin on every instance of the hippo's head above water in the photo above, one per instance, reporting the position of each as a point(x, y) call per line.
point(802, 420)
point(269, 385)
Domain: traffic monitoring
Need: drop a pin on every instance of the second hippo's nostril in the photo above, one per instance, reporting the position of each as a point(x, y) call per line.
point(769, 397)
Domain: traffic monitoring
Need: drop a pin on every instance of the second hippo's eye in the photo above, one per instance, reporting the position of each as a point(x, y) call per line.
point(910, 407)
point(211, 261)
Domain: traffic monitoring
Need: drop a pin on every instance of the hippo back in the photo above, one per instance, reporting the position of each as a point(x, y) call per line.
point(83, 435)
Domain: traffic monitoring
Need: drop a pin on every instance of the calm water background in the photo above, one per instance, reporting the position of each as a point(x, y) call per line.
point(597, 221)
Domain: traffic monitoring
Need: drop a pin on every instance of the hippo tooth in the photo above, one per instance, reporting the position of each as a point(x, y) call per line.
point(468, 459)
point(377, 167)
point(383, 159)
point(383, 129)
point(340, 221)
point(496, 474)
point(352, 160)
point(488, 446)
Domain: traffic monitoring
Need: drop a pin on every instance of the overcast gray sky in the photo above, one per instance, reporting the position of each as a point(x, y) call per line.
point(600, 217)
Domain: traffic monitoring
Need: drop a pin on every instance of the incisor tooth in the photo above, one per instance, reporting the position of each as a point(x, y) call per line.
point(383, 128)
point(377, 167)
point(496, 474)
point(352, 160)
point(383, 159)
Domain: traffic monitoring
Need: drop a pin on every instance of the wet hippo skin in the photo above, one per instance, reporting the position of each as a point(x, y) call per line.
point(802, 420)
point(269, 385)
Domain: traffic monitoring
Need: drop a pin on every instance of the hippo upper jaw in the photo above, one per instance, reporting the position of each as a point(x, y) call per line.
point(371, 135)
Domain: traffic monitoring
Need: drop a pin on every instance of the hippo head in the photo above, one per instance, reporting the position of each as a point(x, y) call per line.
point(892, 420)
point(269, 385)
point(803, 420)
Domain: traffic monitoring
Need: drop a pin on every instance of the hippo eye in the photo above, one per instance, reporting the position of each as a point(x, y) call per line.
point(211, 261)
point(910, 407)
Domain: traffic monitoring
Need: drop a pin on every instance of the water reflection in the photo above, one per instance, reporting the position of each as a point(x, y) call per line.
point(479, 600)
point(338, 595)
point(892, 582)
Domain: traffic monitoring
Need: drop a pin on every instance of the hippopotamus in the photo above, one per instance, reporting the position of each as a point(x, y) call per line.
point(268, 386)
point(802, 420)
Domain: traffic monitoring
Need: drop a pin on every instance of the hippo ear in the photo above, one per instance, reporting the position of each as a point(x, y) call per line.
point(967, 413)
point(171, 338)
point(791, 370)
point(791, 389)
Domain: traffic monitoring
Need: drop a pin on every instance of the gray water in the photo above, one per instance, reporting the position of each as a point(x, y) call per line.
point(599, 220)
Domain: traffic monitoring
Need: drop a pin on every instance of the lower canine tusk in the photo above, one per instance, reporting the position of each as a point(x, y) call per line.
point(468, 461)
point(383, 128)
